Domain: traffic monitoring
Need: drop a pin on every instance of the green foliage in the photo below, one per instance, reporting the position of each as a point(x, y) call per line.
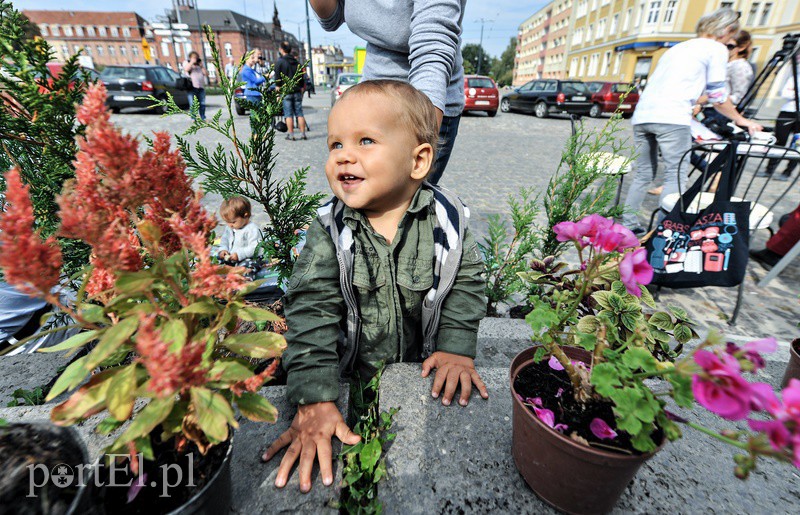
point(247, 169)
point(22, 397)
point(471, 53)
point(503, 68)
point(364, 463)
point(504, 259)
point(38, 128)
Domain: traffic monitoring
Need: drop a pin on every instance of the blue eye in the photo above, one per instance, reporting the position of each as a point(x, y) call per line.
point(367, 141)
point(336, 146)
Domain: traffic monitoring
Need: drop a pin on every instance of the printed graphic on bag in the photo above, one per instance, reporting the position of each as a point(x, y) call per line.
point(706, 246)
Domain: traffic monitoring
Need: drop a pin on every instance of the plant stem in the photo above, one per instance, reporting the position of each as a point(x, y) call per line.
point(657, 373)
point(712, 433)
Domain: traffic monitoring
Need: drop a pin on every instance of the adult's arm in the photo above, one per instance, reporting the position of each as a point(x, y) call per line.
point(187, 67)
point(433, 46)
point(329, 12)
point(250, 77)
point(728, 110)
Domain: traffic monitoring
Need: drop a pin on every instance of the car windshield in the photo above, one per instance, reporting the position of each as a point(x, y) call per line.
point(573, 88)
point(621, 88)
point(115, 73)
point(480, 83)
point(594, 87)
point(349, 80)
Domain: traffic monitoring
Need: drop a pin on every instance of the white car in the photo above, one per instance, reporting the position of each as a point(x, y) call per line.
point(343, 82)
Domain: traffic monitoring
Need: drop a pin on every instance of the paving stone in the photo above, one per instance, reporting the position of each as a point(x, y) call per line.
point(458, 460)
point(28, 371)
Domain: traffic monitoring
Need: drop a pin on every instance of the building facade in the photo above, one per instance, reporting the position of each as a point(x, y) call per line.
point(107, 37)
point(329, 61)
point(542, 43)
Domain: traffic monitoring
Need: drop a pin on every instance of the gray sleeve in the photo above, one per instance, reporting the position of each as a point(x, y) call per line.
point(433, 45)
point(335, 20)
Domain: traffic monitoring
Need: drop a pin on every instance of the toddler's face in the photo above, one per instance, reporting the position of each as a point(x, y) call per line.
point(372, 154)
point(237, 222)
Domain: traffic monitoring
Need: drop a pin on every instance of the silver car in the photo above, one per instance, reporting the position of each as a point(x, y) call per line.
point(343, 81)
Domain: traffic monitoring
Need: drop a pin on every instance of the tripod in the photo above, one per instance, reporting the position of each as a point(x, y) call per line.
point(789, 52)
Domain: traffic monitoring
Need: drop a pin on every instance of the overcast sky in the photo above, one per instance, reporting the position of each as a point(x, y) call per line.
point(502, 17)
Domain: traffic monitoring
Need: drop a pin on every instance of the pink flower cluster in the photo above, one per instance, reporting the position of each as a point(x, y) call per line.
point(603, 235)
point(720, 388)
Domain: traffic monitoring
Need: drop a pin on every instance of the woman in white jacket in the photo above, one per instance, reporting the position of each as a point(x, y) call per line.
point(787, 123)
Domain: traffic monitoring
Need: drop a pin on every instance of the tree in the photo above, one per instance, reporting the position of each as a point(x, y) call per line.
point(503, 68)
point(471, 54)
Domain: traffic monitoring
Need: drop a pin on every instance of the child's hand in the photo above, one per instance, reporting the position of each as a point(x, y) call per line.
point(310, 436)
point(453, 369)
point(234, 257)
point(223, 254)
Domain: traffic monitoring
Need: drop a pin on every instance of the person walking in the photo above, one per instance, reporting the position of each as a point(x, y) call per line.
point(662, 117)
point(285, 70)
point(309, 85)
point(788, 122)
point(193, 68)
point(413, 41)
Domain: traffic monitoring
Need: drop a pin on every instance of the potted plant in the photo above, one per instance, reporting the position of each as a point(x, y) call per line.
point(586, 413)
point(159, 315)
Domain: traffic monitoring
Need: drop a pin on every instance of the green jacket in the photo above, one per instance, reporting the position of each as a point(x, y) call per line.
point(390, 283)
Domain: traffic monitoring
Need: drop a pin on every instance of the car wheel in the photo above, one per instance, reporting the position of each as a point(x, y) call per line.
point(505, 105)
point(115, 110)
point(627, 115)
point(239, 109)
point(595, 111)
point(492, 114)
point(540, 110)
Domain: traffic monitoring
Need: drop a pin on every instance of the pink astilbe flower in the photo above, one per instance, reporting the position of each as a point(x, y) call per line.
point(635, 270)
point(601, 429)
point(30, 264)
point(254, 382)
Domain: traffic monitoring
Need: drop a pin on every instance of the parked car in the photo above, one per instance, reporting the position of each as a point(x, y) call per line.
point(342, 83)
point(130, 86)
point(606, 98)
point(55, 70)
point(480, 94)
point(544, 97)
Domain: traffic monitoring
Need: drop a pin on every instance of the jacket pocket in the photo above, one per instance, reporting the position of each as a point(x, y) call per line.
point(414, 279)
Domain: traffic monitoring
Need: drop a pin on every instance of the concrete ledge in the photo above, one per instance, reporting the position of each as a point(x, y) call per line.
point(458, 460)
point(27, 371)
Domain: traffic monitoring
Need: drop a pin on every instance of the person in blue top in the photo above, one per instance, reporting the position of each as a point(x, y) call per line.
point(252, 78)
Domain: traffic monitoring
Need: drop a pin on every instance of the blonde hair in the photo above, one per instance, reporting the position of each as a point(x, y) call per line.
point(234, 207)
point(719, 23)
point(416, 110)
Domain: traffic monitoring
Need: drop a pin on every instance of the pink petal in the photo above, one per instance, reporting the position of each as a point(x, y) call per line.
point(762, 345)
point(136, 487)
point(546, 416)
point(555, 364)
point(561, 427)
point(602, 430)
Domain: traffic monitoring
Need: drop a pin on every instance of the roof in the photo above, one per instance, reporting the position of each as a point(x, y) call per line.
point(225, 19)
point(84, 17)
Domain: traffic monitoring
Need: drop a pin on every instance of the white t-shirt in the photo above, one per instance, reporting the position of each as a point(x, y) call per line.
point(682, 75)
point(787, 92)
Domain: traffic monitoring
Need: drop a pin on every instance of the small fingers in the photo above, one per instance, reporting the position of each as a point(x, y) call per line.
point(450, 386)
point(479, 384)
point(307, 456)
point(287, 462)
point(324, 455)
point(428, 365)
point(466, 387)
point(438, 382)
point(346, 435)
point(282, 441)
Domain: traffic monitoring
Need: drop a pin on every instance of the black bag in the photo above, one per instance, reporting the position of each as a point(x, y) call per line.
point(709, 248)
point(184, 84)
point(280, 126)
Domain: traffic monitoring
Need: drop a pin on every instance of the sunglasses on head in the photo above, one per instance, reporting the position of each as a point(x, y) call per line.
point(731, 46)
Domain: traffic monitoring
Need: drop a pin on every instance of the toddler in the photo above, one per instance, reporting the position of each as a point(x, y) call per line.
point(240, 237)
point(389, 264)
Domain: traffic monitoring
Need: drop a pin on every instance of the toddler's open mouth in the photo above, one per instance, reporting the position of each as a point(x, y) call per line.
point(349, 179)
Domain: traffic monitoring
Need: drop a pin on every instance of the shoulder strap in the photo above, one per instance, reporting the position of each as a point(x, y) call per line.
point(331, 215)
point(448, 237)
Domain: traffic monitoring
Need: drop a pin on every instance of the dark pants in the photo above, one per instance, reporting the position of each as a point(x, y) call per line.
point(787, 236)
point(447, 136)
point(785, 125)
point(200, 95)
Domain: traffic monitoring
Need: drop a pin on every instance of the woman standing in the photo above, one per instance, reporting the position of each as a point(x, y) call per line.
point(252, 78)
point(193, 67)
point(788, 122)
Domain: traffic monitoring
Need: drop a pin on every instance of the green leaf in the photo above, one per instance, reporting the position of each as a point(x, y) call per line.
point(605, 379)
point(680, 314)
point(122, 393)
point(370, 454)
point(76, 340)
point(87, 401)
point(113, 337)
point(637, 358)
point(214, 414)
point(647, 297)
point(542, 318)
point(92, 313)
point(229, 371)
point(539, 354)
point(660, 336)
point(108, 425)
point(145, 446)
point(671, 430)
point(174, 333)
point(256, 408)
point(642, 442)
point(134, 282)
point(602, 298)
point(661, 320)
point(260, 345)
point(616, 303)
point(588, 324)
point(683, 333)
point(585, 341)
point(206, 306)
point(146, 420)
point(69, 379)
point(629, 321)
point(618, 288)
point(254, 314)
point(681, 390)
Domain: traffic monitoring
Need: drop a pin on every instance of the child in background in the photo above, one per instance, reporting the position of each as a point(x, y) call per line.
point(390, 260)
point(240, 237)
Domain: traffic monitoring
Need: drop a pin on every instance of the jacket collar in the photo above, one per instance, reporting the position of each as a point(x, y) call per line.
point(422, 199)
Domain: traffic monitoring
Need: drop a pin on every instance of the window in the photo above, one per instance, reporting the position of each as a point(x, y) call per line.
point(206, 49)
point(589, 32)
point(123, 51)
point(78, 30)
point(68, 30)
point(76, 49)
point(594, 5)
point(669, 12)
point(627, 21)
point(640, 16)
point(601, 29)
point(606, 63)
point(724, 5)
point(99, 51)
point(653, 12)
point(538, 87)
point(605, 2)
point(751, 18)
point(612, 30)
point(765, 13)
point(111, 51)
point(581, 8)
point(550, 87)
point(153, 52)
point(228, 50)
point(123, 72)
point(126, 31)
point(582, 69)
point(115, 32)
point(164, 49)
point(90, 30)
point(102, 31)
point(135, 51)
point(617, 63)
point(525, 87)
point(88, 51)
point(65, 50)
point(593, 62)
point(54, 30)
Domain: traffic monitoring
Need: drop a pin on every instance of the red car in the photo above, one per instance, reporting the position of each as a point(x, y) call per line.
point(55, 70)
point(606, 98)
point(480, 94)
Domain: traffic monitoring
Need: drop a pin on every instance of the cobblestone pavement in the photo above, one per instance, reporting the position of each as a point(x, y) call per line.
point(494, 158)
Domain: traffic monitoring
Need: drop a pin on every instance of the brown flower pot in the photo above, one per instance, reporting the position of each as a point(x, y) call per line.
point(793, 367)
point(564, 473)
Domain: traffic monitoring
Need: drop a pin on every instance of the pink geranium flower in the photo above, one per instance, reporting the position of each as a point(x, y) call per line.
point(775, 430)
point(635, 270)
point(601, 429)
point(570, 231)
point(720, 388)
point(791, 401)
